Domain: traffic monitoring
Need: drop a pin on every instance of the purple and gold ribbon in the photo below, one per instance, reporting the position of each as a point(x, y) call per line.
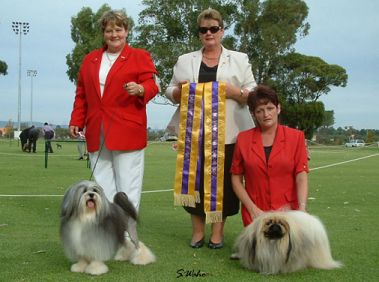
point(202, 117)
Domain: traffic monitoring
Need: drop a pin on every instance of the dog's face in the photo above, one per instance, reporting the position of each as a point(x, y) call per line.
point(275, 228)
point(90, 200)
point(84, 200)
point(268, 235)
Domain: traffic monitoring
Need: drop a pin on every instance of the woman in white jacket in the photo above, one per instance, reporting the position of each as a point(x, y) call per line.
point(215, 63)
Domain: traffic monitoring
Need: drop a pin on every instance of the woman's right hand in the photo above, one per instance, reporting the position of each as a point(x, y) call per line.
point(74, 131)
point(255, 212)
point(177, 92)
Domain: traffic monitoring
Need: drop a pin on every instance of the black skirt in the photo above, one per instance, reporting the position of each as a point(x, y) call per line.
point(230, 202)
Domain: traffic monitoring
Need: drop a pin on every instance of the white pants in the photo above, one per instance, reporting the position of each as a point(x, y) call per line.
point(119, 171)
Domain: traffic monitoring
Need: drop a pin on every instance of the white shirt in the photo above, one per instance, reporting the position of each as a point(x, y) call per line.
point(106, 64)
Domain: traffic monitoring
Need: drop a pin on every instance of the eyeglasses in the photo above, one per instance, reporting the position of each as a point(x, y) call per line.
point(212, 29)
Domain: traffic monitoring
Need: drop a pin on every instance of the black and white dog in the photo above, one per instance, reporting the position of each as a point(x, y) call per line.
point(93, 229)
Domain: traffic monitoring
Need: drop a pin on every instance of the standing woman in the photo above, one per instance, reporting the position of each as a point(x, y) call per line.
point(115, 83)
point(213, 62)
point(270, 165)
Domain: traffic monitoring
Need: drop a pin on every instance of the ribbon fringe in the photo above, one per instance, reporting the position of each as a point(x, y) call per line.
point(213, 216)
point(197, 197)
point(185, 200)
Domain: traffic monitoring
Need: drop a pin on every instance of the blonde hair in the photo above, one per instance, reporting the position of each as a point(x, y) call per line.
point(116, 17)
point(210, 14)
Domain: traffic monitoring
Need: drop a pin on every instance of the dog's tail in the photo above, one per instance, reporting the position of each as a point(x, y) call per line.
point(121, 199)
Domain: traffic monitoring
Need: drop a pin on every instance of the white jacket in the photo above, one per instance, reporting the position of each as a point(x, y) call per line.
point(233, 68)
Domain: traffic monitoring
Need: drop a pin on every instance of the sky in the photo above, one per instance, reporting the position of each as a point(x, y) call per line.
point(342, 32)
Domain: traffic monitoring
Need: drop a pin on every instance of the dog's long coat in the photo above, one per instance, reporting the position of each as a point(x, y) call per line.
point(282, 242)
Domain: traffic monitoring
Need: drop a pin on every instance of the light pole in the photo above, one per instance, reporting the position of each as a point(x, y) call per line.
point(31, 73)
point(20, 28)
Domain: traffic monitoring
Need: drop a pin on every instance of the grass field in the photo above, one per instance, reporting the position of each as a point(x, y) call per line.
point(344, 190)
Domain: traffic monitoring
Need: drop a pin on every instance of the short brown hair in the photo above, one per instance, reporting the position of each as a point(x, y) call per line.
point(261, 95)
point(117, 17)
point(210, 14)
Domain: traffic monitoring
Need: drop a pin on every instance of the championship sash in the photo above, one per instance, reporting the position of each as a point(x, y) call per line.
point(202, 119)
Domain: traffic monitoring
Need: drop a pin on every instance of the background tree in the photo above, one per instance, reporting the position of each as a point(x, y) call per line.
point(268, 30)
point(301, 80)
point(61, 132)
point(87, 36)
point(370, 136)
point(306, 116)
point(328, 120)
point(3, 68)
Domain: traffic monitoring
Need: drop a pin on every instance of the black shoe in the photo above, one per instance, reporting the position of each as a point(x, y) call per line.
point(198, 244)
point(215, 246)
point(80, 158)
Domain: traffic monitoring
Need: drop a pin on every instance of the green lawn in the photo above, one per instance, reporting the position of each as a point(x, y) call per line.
point(344, 196)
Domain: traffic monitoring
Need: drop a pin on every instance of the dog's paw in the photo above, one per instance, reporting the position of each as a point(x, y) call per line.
point(142, 256)
point(80, 266)
point(125, 252)
point(96, 268)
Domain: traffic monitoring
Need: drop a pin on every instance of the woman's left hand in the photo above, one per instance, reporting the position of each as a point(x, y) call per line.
point(134, 89)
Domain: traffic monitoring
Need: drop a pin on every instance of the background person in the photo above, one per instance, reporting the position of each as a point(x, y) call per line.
point(213, 62)
point(32, 139)
point(114, 85)
point(82, 148)
point(270, 166)
point(24, 135)
point(48, 133)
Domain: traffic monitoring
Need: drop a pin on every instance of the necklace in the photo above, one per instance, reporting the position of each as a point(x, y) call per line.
point(114, 56)
point(212, 58)
point(209, 58)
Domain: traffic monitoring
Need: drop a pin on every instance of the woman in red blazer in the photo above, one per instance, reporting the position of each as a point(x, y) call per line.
point(270, 165)
point(115, 83)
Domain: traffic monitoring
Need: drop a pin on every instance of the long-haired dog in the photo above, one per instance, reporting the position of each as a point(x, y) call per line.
point(93, 229)
point(282, 242)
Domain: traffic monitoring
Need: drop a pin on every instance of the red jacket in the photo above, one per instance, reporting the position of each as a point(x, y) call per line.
point(270, 185)
point(122, 116)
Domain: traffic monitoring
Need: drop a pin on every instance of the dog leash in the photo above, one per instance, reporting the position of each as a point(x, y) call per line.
point(105, 136)
point(101, 149)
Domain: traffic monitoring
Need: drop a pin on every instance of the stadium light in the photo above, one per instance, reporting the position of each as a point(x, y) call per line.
point(20, 28)
point(31, 73)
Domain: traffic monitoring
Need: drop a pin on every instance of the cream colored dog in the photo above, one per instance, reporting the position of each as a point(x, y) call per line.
point(282, 242)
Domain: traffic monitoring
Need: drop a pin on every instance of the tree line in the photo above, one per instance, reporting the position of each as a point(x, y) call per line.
point(326, 135)
point(266, 30)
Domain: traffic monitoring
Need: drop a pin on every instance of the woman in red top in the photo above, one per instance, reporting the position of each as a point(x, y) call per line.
point(115, 84)
point(270, 166)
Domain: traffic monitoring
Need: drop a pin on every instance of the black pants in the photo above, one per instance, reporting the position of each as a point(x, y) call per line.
point(32, 144)
point(24, 143)
point(48, 147)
